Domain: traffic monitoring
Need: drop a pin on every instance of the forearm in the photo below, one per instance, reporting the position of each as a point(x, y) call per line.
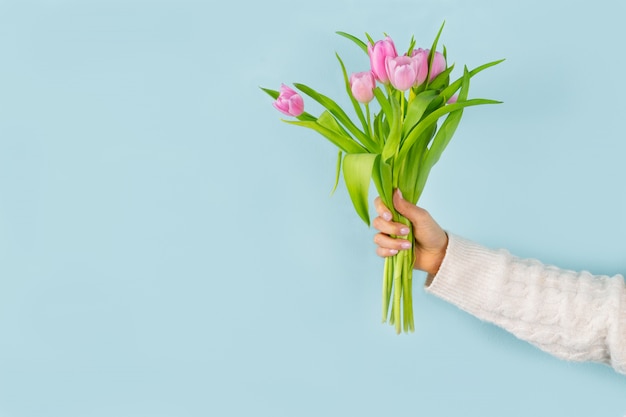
point(572, 315)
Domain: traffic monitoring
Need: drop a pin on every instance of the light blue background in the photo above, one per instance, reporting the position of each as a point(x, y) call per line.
point(168, 247)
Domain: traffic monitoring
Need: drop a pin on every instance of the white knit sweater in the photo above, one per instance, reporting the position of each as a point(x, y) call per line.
point(572, 315)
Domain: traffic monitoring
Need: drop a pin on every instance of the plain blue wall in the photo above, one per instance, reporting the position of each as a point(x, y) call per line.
point(168, 247)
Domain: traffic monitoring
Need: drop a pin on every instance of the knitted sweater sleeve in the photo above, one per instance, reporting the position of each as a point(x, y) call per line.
point(574, 316)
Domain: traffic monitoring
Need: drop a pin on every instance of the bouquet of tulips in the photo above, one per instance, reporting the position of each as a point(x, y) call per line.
point(394, 144)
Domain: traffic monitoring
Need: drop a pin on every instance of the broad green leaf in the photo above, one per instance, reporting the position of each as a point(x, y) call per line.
point(357, 173)
point(411, 166)
point(354, 39)
point(452, 88)
point(345, 143)
point(329, 122)
point(433, 117)
point(416, 108)
point(338, 172)
point(431, 156)
point(447, 129)
point(442, 80)
point(338, 112)
point(392, 145)
point(382, 176)
point(381, 127)
point(442, 139)
point(383, 101)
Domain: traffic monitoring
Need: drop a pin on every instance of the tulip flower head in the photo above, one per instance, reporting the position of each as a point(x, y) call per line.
point(421, 55)
point(289, 102)
point(438, 65)
point(362, 85)
point(402, 71)
point(378, 53)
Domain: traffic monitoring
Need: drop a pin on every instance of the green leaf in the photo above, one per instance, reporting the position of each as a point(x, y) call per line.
point(442, 139)
point(382, 176)
point(433, 117)
point(381, 127)
point(465, 83)
point(433, 48)
point(447, 129)
point(345, 143)
point(411, 165)
point(452, 88)
point(272, 93)
point(329, 122)
point(354, 39)
point(392, 145)
point(383, 101)
point(338, 172)
point(411, 46)
point(416, 109)
point(357, 172)
point(338, 112)
point(442, 80)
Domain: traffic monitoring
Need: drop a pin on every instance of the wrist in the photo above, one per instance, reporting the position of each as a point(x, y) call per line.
point(438, 258)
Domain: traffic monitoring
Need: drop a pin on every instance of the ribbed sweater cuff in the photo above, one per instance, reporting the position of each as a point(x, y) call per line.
point(467, 273)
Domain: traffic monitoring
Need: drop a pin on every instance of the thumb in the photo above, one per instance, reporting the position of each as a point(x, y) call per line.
point(406, 208)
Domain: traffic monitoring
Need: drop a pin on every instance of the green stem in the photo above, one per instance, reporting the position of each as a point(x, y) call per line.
point(398, 269)
point(386, 292)
point(397, 292)
point(369, 122)
point(407, 287)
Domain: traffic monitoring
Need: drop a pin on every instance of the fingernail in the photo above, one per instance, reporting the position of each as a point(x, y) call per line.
point(400, 194)
point(393, 251)
point(387, 216)
point(406, 245)
point(404, 231)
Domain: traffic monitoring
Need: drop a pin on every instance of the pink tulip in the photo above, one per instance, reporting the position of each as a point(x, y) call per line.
point(438, 66)
point(289, 102)
point(378, 54)
point(362, 85)
point(402, 71)
point(453, 99)
point(422, 69)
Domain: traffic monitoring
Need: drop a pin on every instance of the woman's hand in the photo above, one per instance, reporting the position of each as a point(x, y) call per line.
point(431, 240)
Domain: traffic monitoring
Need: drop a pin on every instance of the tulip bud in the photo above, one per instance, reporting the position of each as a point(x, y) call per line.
point(362, 85)
point(421, 55)
point(289, 102)
point(438, 66)
point(378, 54)
point(402, 71)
